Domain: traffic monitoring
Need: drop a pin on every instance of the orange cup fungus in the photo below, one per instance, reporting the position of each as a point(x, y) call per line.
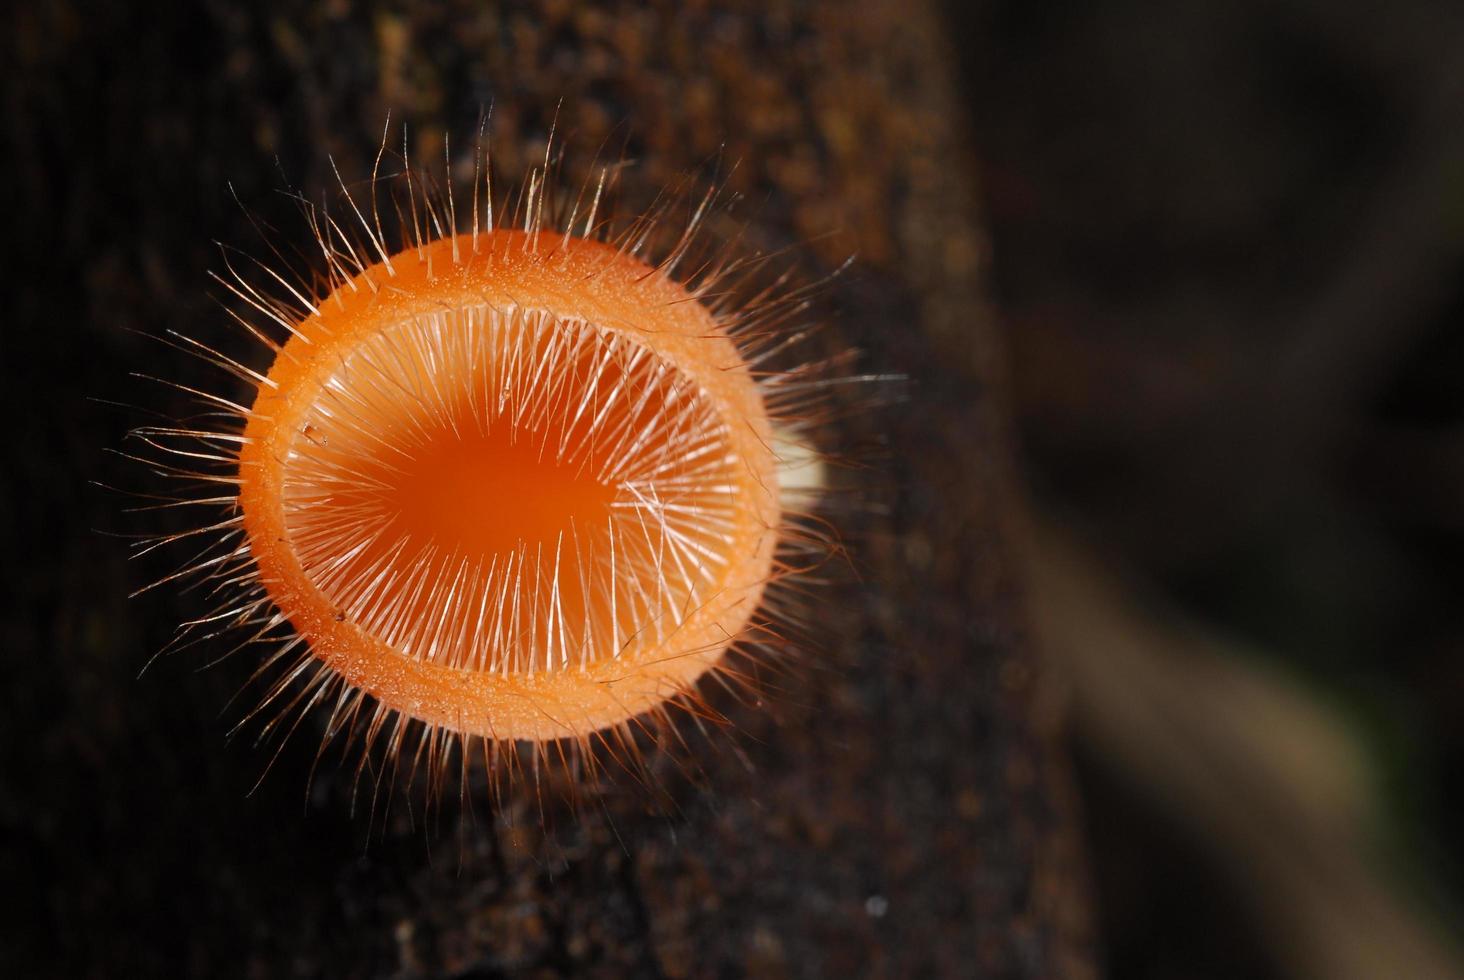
point(510, 484)
point(514, 484)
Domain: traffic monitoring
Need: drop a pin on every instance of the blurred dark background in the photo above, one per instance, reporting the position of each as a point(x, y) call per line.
point(1227, 246)
point(1223, 244)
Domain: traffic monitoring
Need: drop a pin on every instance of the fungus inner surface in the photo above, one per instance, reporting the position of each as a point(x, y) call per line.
point(512, 492)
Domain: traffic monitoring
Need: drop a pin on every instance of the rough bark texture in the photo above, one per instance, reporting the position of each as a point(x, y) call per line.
point(904, 819)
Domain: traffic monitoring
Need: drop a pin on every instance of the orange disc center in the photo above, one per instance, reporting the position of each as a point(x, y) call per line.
point(488, 492)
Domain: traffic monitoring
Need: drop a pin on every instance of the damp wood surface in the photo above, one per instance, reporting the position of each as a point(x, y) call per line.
point(895, 811)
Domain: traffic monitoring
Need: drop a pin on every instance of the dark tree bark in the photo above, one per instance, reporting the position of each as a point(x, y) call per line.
point(906, 818)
